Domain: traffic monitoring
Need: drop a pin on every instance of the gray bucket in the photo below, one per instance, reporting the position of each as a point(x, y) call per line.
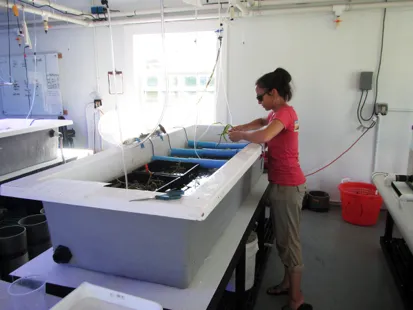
point(13, 249)
point(38, 237)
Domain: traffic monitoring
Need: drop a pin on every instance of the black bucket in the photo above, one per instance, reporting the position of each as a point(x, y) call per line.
point(13, 249)
point(318, 201)
point(38, 237)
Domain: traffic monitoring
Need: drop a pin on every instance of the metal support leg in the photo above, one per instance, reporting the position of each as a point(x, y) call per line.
point(388, 232)
point(261, 228)
point(240, 281)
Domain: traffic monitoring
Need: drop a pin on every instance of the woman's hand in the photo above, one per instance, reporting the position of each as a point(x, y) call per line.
point(236, 136)
point(237, 128)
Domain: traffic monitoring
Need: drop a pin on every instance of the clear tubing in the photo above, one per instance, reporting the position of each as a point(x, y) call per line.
point(197, 104)
point(116, 100)
point(165, 73)
point(35, 68)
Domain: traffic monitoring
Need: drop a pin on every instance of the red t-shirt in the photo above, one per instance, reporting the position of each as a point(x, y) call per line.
point(283, 162)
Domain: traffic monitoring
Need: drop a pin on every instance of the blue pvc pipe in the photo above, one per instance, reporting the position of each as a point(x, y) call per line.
point(204, 152)
point(215, 145)
point(204, 163)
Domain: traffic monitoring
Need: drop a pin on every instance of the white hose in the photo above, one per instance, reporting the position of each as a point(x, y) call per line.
point(116, 100)
point(219, 78)
point(166, 77)
point(35, 69)
point(197, 104)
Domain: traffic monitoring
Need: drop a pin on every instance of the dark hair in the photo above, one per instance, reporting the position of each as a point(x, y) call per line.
point(280, 80)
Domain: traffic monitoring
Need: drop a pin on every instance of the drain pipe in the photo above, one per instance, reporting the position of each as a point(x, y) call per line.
point(45, 13)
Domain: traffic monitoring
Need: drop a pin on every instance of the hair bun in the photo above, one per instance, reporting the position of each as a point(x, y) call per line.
point(283, 74)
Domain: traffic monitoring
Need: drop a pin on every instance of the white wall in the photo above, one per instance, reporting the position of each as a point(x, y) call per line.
point(323, 61)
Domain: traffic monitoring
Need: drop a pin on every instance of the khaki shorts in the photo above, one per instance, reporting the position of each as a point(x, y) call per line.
point(286, 204)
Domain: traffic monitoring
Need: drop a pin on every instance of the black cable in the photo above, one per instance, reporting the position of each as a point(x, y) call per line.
point(362, 107)
point(358, 108)
point(376, 90)
point(8, 34)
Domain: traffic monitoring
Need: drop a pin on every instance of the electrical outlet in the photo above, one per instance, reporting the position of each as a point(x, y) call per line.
point(382, 108)
point(97, 103)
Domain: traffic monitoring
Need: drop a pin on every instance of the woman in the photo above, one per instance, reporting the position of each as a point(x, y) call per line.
point(287, 181)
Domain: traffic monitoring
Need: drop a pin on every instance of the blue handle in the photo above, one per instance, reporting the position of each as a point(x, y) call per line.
point(171, 195)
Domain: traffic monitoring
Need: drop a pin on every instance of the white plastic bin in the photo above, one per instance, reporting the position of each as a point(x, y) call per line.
point(251, 249)
point(92, 297)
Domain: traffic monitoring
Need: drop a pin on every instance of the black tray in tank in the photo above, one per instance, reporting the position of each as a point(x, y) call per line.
point(169, 168)
point(145, 181)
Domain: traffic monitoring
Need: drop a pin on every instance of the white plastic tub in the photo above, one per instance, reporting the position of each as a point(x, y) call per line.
point(92, 297)
point(157, 241)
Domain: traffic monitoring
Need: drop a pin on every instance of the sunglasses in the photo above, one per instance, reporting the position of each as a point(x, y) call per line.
point(260, 97)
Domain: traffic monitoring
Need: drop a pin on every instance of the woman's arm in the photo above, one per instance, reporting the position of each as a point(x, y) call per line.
point(259, 136)
point(255, 124)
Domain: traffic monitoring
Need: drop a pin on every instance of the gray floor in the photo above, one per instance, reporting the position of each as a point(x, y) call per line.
point(344, 267)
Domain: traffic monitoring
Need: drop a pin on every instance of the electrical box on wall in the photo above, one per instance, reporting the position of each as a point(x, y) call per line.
point(366, 80)
point(382, 108)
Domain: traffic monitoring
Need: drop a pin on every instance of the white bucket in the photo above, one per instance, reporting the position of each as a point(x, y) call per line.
point(251, 249)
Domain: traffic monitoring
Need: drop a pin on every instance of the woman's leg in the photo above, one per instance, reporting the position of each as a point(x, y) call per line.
point(286, 204)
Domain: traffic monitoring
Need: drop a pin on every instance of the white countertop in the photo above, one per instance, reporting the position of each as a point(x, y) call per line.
point(401, 211)
point(196, 297)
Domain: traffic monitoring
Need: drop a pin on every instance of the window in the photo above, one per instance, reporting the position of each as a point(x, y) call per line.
point(191, 58)
point(152, 81)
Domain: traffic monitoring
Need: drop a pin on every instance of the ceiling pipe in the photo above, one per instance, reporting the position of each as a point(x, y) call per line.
point(45, 13)
point(166, 10)
point(59, 7)
point(275, 3)
point(240, 6)
point(148, 20)
point(329, 8)
point(262, 12)
point(269, 12)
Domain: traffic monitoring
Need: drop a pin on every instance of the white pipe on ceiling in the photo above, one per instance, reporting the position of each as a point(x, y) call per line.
point(329, 8)
point(262, 12)
point(59, 7)
point(166, 10)
point(262, 3)
point(298, 9)
point(240, 6)
point(45, 13)
point(149, 20)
